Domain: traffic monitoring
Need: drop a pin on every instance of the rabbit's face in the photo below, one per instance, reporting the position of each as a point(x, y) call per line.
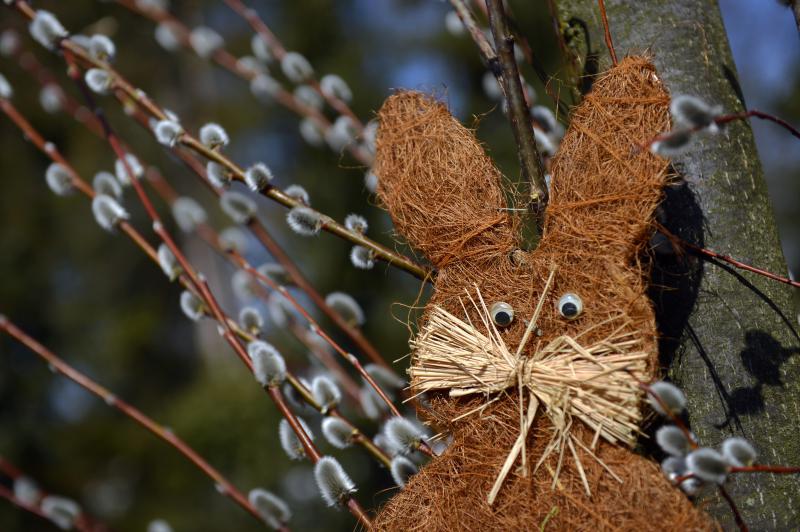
point(445, 198)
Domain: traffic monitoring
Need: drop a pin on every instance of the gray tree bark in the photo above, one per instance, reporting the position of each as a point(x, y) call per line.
point(730, 337)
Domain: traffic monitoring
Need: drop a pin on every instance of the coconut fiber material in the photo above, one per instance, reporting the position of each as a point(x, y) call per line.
point(445, 198)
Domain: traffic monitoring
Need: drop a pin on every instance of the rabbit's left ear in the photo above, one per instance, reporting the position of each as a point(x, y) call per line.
point(442, 191)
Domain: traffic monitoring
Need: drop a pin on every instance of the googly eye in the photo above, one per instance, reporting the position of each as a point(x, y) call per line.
point(502, 314)
point(570, 306)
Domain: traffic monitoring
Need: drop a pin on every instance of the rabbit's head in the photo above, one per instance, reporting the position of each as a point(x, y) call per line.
point(585, 285)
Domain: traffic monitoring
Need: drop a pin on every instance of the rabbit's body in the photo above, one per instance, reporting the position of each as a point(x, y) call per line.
point(444, 196)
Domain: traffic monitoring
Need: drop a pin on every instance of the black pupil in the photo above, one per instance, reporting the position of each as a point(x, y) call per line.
point(502, 318)
point(569, 310)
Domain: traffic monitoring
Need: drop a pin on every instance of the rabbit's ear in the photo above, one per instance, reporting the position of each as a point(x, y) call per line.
point(605, 188)
point(441, 189)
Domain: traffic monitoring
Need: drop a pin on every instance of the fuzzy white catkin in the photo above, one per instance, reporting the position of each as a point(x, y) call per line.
point(311, 133)
point(708, 465)
point(239, 208)
point(341, 133)
point(491, 87)
point(191, 305)
point(167, 132)
point(250, 320)
point(402, 434)
point(251, 64)
point(26, 490)
point(218, 175)
point(370, 136)
point(108, 212)
point(739, 452)
point(214, 136)
point(337, 432)
point(205, 41)
point(671, 396)
point(334, 86)
point(385, 377)
point(268, 364)
point(121, 169)
point(50, 98)
point(260, 48)
point(46, 29)
point(98, 80)
point(59, 179)
point(308, 97)
point(243, 285)
point(106, 183)
point(9, 43)
point(673, 441)
point(188, 213)
point(371, 181)
point(166, 35)
point(544, 143)
point(258, 177)
point(6, 92)
point(334, 484)
point(102, 48)
point(158, 525)
point(402, 469)
point(453, 24)
point(290, 442)
point(674, 143)
point(169, 264)
point(296, 67)
point(326, 393)
point(272, 509)
point(691, 111)
point(275, 272)
point(356, 222)
point(298, 193)
point(233, 239)
point(265, 87)
point(362, 258)
point(304, 221)
point(61, 511)
point(347, 307)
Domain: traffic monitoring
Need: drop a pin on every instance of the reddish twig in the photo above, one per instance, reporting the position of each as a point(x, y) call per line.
point(680, 243)
point(736, 515)
point(607, 32)
point(139, 417)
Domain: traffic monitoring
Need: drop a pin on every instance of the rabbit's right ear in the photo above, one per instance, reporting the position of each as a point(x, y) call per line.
point(441, 189)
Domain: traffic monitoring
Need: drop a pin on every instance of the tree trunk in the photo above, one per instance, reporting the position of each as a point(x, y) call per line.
point(729, 336)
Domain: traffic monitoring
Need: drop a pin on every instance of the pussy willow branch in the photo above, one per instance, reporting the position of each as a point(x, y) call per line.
point(35, 510)
point(327, 223)
point(260, 232)
point(78, 182)
point(312, 453)
point(278, 50)
point(228, 489)
point(724, 119)
point(199, 282)
point(518, 111)
point(607, 32)
point(82, 522)
point(140, 98)
point(210, 236)
point(230, 63)
point(188, 276)
point(680, 243)
point(202, 286)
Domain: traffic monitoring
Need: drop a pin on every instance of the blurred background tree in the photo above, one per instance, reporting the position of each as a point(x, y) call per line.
point(97, 301)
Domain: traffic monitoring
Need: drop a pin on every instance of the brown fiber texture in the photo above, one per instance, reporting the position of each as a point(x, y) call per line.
point(445, 198)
